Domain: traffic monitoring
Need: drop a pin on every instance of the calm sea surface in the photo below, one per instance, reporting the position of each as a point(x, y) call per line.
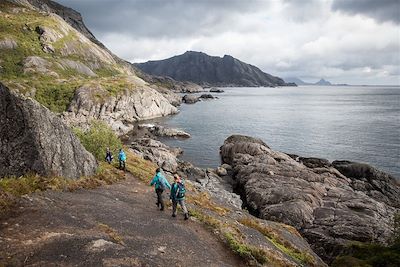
point(353, 123)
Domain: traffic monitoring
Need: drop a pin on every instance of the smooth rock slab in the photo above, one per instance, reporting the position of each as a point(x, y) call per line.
point(331, 204)
point(33, 139)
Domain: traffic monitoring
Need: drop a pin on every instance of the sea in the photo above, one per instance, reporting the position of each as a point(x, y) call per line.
point(356, 123)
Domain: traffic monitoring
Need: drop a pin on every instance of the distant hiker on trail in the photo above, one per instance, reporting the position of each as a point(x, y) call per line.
point(161, 183)
point(109, 156)
point(178, 196)
point(122, 159)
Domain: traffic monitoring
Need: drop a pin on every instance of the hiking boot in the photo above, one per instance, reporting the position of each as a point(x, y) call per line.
point(174, 215)
point(186, 216)
point(162, 209)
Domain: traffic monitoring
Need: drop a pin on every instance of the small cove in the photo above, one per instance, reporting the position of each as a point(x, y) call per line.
point(337, 123)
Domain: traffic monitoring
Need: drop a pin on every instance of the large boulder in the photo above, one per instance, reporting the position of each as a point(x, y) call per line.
point(190, 99)
point(330, 206)
point(32, 139)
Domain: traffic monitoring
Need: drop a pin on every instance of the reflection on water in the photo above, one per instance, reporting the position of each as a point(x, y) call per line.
point(353, 123)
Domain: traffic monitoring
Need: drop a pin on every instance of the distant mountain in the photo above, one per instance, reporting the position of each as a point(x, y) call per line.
point(323, 82)
point(208, 70)
point(301, 82)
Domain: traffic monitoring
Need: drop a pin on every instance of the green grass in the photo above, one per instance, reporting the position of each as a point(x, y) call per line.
point(283, 245)
point(246, 251)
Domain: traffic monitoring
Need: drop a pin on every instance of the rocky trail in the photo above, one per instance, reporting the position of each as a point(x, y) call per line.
point(115, 225)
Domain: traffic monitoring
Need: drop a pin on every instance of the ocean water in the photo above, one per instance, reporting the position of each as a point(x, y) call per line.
point(337, 123)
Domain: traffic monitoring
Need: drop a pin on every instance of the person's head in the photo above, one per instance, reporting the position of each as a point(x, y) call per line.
point(177, 178)
point(120, 150)
point(108, 149)
point(158, 170)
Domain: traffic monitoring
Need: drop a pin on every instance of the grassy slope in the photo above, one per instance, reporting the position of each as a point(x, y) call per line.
point(53, 92)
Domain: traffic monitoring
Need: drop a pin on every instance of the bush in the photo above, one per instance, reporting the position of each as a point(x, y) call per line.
point(98, 138)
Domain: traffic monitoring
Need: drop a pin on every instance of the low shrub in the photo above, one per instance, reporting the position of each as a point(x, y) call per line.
point(98, 138)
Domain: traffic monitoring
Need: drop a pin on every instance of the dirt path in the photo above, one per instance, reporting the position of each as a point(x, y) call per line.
point(117, 225)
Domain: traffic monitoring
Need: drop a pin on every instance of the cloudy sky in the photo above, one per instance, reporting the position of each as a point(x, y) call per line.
point(344, 41)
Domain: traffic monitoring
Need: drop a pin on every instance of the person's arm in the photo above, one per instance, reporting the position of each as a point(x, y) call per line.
point(167, 183)
point(153, 181)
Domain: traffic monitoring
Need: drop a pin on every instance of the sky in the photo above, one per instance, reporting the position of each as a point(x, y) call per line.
point(343, 41)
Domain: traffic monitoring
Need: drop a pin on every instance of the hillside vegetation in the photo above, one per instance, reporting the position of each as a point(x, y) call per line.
point(44, 57)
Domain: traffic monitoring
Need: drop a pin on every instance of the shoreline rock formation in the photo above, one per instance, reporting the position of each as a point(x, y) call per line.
point(330, 204)
point(119, 111)
point(33, 139)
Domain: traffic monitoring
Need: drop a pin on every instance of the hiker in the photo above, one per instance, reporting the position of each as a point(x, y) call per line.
point(161, 183)
point(122, 159)
point(178, 196)
point(109, 156)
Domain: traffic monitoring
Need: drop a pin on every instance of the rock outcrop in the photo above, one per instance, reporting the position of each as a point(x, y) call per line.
point(162, 131)
point(331, 204)
point(190, 99)
point(216, 90)
point(120, 111)
point(35, 64)
point(8, 43)
point(207, 70)
point(32, 139)
point(157, 152)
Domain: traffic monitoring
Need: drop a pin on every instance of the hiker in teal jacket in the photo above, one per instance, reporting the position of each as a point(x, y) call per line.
point(122, 159)
point(161, 183)
point(178, 196)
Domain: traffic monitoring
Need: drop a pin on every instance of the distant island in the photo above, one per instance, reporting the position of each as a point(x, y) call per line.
point(322, 81)
point(208, 70)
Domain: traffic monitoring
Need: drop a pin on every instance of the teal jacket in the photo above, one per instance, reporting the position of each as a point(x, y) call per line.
point(122, 156)
point(156, 178)
point(174, 192)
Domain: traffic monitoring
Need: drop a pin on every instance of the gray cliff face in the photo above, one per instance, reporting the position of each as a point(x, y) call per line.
point(121, 111)
point(331, 204)
point(203, 69)
point(32, 139)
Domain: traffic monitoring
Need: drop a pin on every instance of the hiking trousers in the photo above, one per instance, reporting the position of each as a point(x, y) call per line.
point(160, 201)
point(122, 165)
point(181, 202)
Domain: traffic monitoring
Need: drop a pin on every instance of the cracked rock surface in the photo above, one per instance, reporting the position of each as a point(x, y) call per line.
point(330, 204)
point(32, 139)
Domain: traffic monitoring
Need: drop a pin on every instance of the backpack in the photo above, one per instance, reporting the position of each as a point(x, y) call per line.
point(181, 191)
point(161, 183)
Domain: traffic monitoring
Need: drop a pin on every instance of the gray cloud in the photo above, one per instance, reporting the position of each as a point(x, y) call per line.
point(381, 10)
point(163, 19)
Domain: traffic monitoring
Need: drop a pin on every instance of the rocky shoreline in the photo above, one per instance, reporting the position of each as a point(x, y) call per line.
point(331, 204)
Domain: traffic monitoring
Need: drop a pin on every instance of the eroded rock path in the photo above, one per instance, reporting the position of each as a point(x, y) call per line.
point(115, 225)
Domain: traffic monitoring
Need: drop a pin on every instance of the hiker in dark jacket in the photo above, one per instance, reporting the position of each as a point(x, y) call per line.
point(109, 156)
point(178, 196)
point(161, 183)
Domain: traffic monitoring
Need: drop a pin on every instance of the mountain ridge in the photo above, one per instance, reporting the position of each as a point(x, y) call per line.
point(203, 69)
